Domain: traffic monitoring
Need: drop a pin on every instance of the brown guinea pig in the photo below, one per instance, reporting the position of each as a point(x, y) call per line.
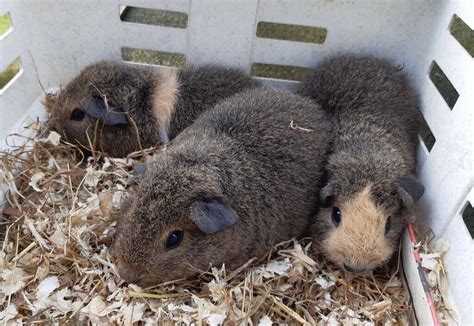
point(120, 108)
point(371, 188)
point(239, 180)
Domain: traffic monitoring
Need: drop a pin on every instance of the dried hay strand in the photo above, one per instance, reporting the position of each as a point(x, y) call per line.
point(59, 222)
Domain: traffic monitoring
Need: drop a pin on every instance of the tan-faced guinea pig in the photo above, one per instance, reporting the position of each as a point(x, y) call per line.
point(112, 105)
point(239, 180)
point(371, 190)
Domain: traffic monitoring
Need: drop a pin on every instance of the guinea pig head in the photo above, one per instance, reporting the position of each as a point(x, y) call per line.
point(362, 231)
point(176, 224)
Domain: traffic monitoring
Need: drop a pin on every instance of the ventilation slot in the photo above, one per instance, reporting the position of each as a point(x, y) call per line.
point(8, 76)
point(151, 57)
point(444, 86)
point(427, 136)
point(468, 217)
point(154, 17)
point(5, 25)
point(279, 71)
point(463, 34)
point(287, 32)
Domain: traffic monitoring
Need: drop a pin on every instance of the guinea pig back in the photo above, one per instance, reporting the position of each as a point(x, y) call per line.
point(240, 179)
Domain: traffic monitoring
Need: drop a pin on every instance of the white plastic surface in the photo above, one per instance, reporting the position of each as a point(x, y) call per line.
point(64, 36)
point(422, 312)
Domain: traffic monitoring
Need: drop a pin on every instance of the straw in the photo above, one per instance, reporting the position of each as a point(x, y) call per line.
point(55, 266)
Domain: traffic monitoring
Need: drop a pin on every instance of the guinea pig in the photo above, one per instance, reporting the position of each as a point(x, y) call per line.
point(120, 108)
point(370, 191)
point(236, 182)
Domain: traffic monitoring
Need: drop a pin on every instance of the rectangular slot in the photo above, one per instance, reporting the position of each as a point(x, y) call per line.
point(5, 25)
point(468, 218)
point(7, 76)
point(289, 32)
point(463, 34)
point(151, 57)
point(157, 17)
point(279, 71)
point(444, 85)
point(427, 135)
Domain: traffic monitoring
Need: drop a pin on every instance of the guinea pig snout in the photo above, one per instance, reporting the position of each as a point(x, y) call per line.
point(354, 268)
point(128, 274)
point(125, 270)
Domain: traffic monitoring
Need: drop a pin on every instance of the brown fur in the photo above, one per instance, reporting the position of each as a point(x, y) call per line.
point(359, 240)
point(164, 99)
point(376, 121)
point(242, 154)
point(158, 105)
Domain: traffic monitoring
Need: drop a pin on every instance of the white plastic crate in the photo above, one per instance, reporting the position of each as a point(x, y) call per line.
point(65, 36)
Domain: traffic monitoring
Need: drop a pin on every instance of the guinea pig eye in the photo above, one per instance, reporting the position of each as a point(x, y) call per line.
point(174, 239)
point(336, 216)
point(388, 225)
point(77, 114)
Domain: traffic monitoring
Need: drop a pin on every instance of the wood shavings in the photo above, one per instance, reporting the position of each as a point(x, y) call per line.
point(45, 288)
point(275, 267)
point(429, 261)
point(431, 254)
point(55, 267)
point(95, 310)
point(13, 280)
point(324, 283)
point(9, 313)
point(35, 179)
point(53, 137)
point(265, 321)
point(131, 313)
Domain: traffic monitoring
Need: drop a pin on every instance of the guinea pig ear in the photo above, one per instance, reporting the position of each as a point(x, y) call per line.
point(212, 216)
point(410, 190)
point(326, 194)
point(164, 136)
point(96, 107)
point(139, 170)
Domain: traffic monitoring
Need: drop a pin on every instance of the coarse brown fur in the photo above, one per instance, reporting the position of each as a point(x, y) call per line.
point(242, 154)
point(158, 105)
point(376, 121)
point(362, 219)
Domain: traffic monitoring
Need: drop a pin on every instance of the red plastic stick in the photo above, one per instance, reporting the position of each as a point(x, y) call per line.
point(424, 281)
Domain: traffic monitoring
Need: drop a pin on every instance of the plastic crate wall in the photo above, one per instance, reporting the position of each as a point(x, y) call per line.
point(64, 36)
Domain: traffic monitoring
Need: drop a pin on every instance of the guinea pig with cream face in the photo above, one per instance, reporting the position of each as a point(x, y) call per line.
point(236, 182)
point(371, 188)
point(118, 108)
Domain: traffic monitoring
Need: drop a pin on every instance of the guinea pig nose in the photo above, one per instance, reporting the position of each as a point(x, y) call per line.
point(128, 275)
point(135, 280)
point(353, 269)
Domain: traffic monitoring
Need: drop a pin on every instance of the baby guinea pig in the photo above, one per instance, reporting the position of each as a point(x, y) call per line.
point(121, 108)
point(370, 192)
point(236, 182)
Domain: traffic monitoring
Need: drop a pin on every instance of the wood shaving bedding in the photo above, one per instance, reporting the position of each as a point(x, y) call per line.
point(59, 222)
